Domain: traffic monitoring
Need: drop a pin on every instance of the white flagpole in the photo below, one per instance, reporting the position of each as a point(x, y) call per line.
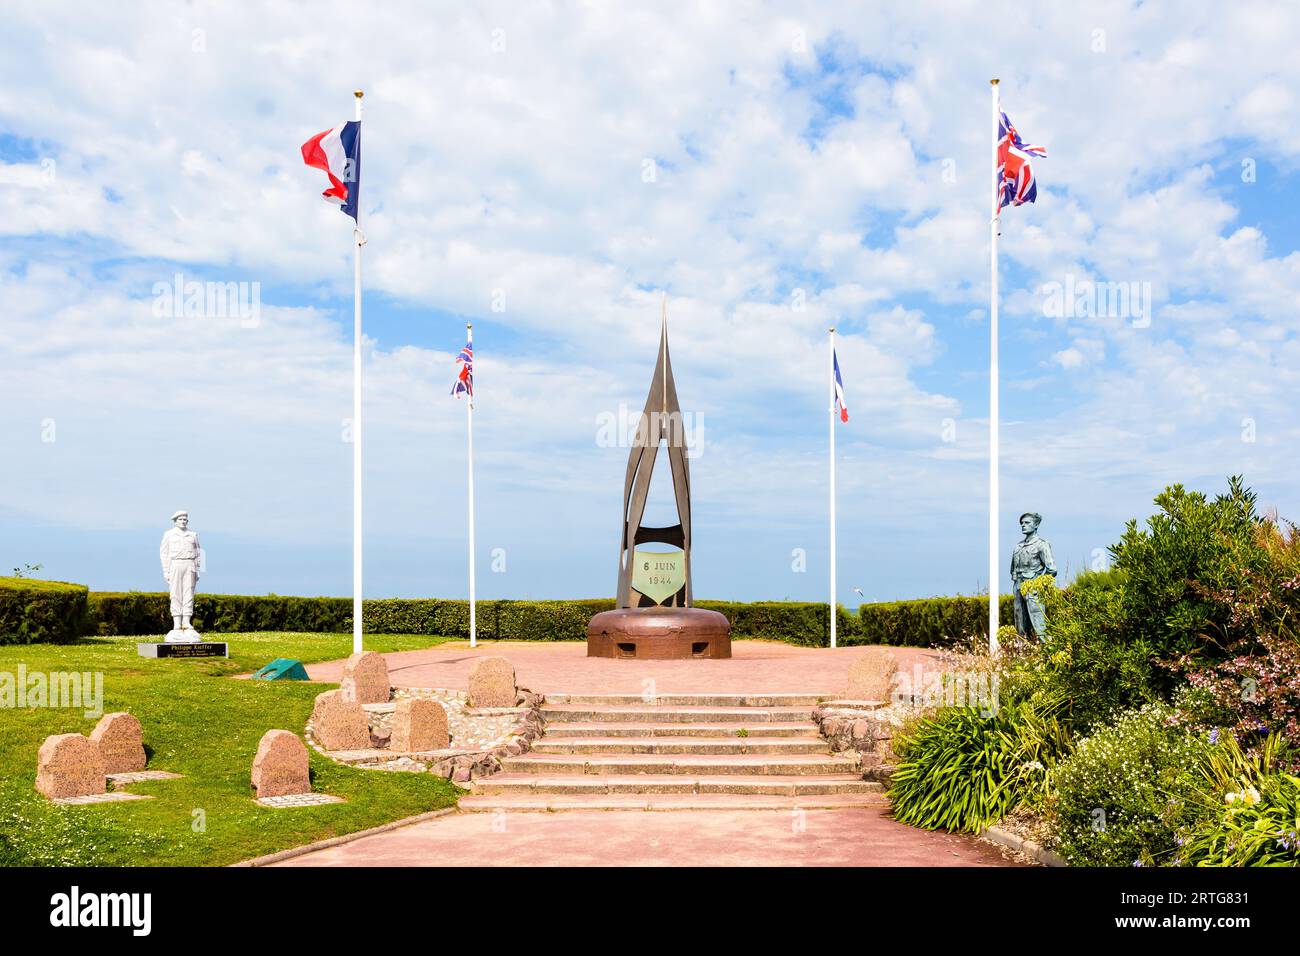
point(831, 363)
point(995, 576)
point(469, 413)
point(358, 241)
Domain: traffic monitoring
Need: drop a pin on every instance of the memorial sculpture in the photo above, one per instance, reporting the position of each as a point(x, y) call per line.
point(181, 559)
point(654, 618)
point(179, 553)
point(1032, 558)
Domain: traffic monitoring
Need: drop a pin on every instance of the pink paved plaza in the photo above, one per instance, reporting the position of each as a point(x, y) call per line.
point(564, 668)
point(670, 838)
point(863, 836)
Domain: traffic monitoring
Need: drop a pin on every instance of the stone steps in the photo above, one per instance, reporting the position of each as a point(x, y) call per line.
point(643, 713)
point(686, 700)
point(542, 785)
point(552, 802)
point(703, 764)
point(680, 745)
point(565, 729)
point(681, 752)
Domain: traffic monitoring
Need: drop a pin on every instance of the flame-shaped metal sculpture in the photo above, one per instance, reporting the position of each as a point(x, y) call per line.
point(654, 619)
point(660, 422)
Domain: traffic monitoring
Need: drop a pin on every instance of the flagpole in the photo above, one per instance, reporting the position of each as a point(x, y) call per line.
point(831, 371)
point(358, 242)
point(994, 490)
point(469, 413)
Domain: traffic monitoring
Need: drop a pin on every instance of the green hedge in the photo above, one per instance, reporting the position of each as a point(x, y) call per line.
point(42, 612)
point(922, 623)
point(54, 612)
point(929, 621)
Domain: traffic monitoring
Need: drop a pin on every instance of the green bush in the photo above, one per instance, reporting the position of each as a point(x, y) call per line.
point(1191, 549)
point(1119, 798)
point(962, 770)
point(1084, 661)
point(928, 622)
point(48, 612)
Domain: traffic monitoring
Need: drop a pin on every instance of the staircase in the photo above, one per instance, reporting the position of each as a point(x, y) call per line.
point(681, 752)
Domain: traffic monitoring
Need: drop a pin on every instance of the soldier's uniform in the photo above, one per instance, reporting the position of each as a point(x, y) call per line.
point(179, 553)
point(1031, 559)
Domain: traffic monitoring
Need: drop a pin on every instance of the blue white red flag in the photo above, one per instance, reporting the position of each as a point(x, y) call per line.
point(465, 374)
point(839, 389)
point(1015, 176)
point(337, 151)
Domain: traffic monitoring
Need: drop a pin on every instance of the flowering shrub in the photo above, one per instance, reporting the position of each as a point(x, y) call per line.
point(1247, 814)
point(1258, 689)
point(1255, 689)
point(1119, 798)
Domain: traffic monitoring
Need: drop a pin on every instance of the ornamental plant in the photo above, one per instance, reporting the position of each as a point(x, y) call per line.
point(962, 770)
point(1247, 813)
point(1120, 797)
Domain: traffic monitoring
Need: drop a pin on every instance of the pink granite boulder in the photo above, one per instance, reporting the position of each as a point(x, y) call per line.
point(419, 725)
point(280, 767)
point(368, 674)
point(492, 683)
point(339, 724)
point(120, 740)
point(871, 676)
point(69, 765)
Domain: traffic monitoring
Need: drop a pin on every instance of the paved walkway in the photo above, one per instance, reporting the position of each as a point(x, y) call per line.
point(724, 837)
point(667, 838)
point(565, 668)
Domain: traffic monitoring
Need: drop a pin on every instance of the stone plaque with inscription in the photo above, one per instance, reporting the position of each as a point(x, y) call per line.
point(193, 649)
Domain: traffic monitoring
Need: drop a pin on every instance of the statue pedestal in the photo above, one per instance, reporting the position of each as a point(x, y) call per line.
point(659, 634)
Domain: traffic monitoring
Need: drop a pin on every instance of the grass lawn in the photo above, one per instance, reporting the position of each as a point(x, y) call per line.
point(199, 722)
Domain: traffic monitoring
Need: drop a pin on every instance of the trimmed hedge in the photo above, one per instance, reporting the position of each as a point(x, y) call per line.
point(938, 621)
point(33, 611)
point(920, 623)
point(42, 612)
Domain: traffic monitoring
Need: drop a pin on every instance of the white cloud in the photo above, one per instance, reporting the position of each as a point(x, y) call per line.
point(512, 164)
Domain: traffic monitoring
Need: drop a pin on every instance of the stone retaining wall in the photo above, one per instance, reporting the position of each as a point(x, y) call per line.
point(864, 729)
point(480, 736)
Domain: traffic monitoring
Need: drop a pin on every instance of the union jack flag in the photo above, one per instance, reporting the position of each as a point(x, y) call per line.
point(1015, 176)
point(465, 375)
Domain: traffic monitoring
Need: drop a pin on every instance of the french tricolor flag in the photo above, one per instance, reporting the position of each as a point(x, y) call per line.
point(337, 151)
point(839, 388)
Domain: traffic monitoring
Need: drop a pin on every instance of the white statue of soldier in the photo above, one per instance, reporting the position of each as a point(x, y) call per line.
point(179, 554)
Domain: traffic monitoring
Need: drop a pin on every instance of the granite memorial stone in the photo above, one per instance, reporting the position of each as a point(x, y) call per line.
point(419, 725)
point(120, 740)
point(338, 723)
point(280, 767)
point(492, 683)
point(369, 676)
point(69, 765)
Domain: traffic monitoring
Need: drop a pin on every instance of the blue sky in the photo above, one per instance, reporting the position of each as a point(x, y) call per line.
point(814, 164)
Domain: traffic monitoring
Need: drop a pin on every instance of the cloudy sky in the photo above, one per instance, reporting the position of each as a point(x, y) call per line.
point(545, 171)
